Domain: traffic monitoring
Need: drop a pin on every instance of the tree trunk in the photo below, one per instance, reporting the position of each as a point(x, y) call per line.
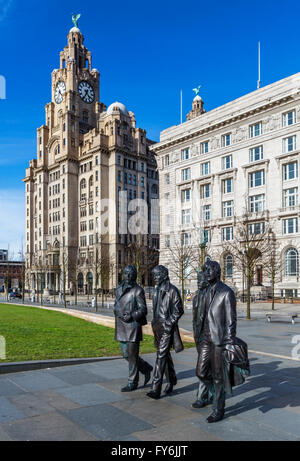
point(273, 290)
point(248, 317)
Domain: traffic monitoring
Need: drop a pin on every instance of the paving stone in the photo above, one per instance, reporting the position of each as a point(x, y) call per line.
point(185, 433)
point(89, 394)
point(4, 437)
point(8, 412)
point(154, 412)
point(106, 422)
point(37, 380)
point(30, 405)
point(50, 427)
point(243, 429)
point(116, 369)
point(7, 387)
point(56, 400)
point(75, 375)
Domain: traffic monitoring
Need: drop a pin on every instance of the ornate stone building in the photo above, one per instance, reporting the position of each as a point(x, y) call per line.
point(240, 157)
point(87, 155)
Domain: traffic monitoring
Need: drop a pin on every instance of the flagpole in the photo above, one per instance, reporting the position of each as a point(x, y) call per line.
point(180, 106)
point(258, 82)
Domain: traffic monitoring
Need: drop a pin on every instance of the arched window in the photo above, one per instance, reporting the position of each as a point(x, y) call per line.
point(89, 279)
point(228, 265)
point(291, 262)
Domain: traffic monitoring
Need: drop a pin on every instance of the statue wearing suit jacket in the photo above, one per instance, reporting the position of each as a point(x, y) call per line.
point(204, 397)
point(130, 315)
point(167, 310)
point(218, 328)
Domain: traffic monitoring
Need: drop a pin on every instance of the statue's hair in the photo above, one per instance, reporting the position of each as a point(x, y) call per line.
point(161, 269)
point(200, 275)
point(214, 264)
point(132, 268)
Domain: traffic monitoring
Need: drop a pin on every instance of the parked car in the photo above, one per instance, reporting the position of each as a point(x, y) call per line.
point(14, 294)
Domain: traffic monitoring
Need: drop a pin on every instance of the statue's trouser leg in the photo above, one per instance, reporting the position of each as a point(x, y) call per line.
point(130, 352)
point(218, 379)
point(203, 371)
point(164, 362)
point(143, 366)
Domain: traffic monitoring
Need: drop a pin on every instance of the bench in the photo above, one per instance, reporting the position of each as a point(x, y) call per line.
point(280, 316)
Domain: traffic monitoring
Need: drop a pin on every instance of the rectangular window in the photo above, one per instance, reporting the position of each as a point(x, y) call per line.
point(289, 144)
point(290, 197)
point(227, 186)
point(256, 153)
point(257, 228)
point(227, 162)
point(186, 174)
point(186, 239)
point(257, 179)
point(186, 216)
point(290, 171)
point(290, 226)
point(167, 160)
point(167, 178)
point(228, 209)
point(255, 130)
point(205, 191)
point(257, 203)
point(204, 149)
point(205, 168)
point(186, 195)
point(226, 140)
point(289, 118)
point(227, 233)
point(207, 212)
point(185, 154)
point(168, 241)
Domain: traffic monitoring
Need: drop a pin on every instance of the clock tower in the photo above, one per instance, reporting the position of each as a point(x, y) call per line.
point(86, 155)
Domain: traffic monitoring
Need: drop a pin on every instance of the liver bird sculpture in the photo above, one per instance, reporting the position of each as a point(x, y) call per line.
point(197, 90)
point(75, 18)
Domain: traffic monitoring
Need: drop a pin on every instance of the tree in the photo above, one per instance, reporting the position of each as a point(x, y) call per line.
point(272, 264)
point(182, 254)
point(144, 257)
point(74, 271)
point(249, 244)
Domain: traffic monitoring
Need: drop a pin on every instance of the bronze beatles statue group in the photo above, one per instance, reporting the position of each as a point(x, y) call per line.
point(222, 357)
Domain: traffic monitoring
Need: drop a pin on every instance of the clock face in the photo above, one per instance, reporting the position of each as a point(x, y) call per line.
point(59, 92)
point(86, 92)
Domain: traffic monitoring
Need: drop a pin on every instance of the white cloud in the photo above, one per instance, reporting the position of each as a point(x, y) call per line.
point(12, 220)
point(4, 8)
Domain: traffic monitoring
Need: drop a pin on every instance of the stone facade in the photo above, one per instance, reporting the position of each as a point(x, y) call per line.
point(86, 155)
point(243, 156)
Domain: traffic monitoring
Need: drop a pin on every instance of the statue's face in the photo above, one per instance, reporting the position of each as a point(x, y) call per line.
point(211, 272)
point(158, 276)
point(129, 275)
point(201, 281)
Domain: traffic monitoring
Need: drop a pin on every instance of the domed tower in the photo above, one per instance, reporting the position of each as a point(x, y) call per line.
point(197, 106)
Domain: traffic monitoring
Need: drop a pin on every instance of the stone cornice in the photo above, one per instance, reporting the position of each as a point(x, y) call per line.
point(189, 134)
point(258, 163)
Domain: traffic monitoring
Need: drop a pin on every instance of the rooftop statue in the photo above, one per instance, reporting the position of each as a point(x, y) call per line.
point(75, 18)
point(197, 90)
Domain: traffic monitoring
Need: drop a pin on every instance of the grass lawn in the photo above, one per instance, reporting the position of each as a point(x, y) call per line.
point(37, 334)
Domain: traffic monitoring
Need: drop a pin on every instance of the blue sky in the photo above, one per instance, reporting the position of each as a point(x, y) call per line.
point(145, 52)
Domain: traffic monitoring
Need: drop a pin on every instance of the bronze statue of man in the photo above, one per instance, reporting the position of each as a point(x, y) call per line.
point(130, 315)
point(204, 396)
point(167, 310)
point(218, 328)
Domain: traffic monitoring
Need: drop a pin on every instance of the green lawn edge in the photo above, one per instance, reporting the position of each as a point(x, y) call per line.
point(31, 333)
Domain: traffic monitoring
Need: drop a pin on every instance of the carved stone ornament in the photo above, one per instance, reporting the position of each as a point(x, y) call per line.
point(175, 157)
